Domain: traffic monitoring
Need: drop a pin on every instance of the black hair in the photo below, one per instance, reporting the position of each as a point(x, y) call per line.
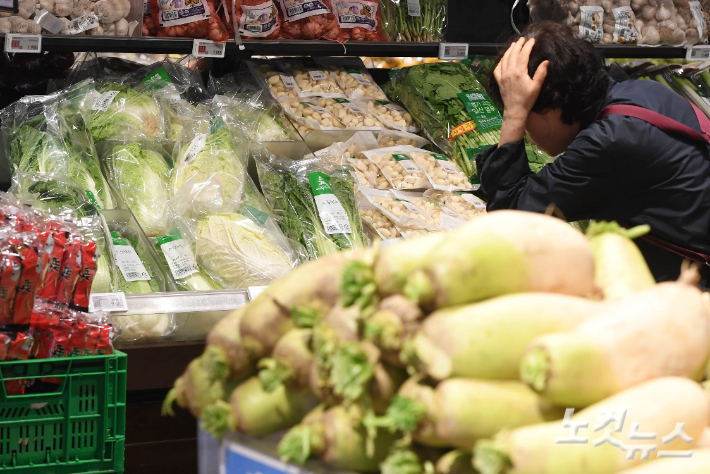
point(577, 81)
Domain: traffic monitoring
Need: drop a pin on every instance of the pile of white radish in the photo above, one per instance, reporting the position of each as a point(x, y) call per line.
point(472, 351)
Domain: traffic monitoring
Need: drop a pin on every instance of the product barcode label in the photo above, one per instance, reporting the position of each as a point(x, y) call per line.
point(202, 48)
point(698, 53)
point(471, 199)
point(413, 8)
point(170, 15)
point(129, 263)
point(180, 259)
point(453, 50)
point(406, 162)
point(103, 101)
point(23, 43)
point(317, 75)
point(411, 207)
point(83, 23)
point(196, 146)
point(331, 211)
point(360, 78)
point(347, 18)
point(107, 302)
point(318, 109)
point(289, 81)
point(294, 10)
point(350, 106)
point(445, 163)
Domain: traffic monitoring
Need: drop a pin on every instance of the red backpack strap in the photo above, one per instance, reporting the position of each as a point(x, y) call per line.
point(666, 124)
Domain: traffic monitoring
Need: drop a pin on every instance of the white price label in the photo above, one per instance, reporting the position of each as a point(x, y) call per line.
point(196, 146)
point(317, 108)
point(406, 162)
point(354, 108)
point(107, 302)
point(23, 43)
point(411, 207)
point(332, 214)
point(202, 48)
point(453, 50)
point(254, 291)
point(180, 259)
point(317, 75)
point(103, 101)
point(413, 8)
point(471, 199)
point(289, 81)
point(360, 78)
point(446, 164)
point(129, 263)
point(698, 53)
point(83, 23)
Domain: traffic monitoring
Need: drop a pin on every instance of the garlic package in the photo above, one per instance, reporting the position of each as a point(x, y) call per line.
point(671, 22)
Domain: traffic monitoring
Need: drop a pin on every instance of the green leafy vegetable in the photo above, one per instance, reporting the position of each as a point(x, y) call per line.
point(142, 175)
point(130, 115)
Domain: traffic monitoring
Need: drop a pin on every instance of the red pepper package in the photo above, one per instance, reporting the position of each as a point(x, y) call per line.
point(359, 20)
point(104, 344)
point(10, 272)
point(19, 347)
point(54, 248)
point(77, 341)
point(82, 290)
point(62, 331)
point(256, 19)
point(309, 20)
point(193, 19)
point(71, 267)
point(92, 339)
point(5, 340)
point(33, 262)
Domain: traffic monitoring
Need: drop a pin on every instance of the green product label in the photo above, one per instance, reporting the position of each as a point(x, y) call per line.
point(172, 236)
point(382, 102)
point(258, 215)
point(320, 183)
point(93, 200)
point(118, 240)
point(157, 79)
point(474, 152)
point(216, 125)
point(353, 71)
point(341, 101)
point(439, 157)
point(481, 110)
point(400, 157)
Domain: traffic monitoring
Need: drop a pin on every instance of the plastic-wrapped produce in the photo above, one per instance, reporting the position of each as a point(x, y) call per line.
point(256, 19)
point(673, 22)
point(309, 20)
point(196, 20)
point(359, 20)
point(415, 20)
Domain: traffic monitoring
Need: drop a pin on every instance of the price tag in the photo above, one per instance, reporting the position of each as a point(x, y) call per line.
point(289, 81)
point(698, 53)
point(317, 75)
point(444, 162)
point(102, 101)
point(471, 199)
point(254, 291)
point(202, 48)
point(196, 146)
point(23, 43)
point(406, 162)
point(413, 8)
point(112, 302)
point(453, 50)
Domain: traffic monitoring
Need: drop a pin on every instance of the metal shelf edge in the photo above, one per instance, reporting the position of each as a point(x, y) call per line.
point(310, 48)
point(184, 302)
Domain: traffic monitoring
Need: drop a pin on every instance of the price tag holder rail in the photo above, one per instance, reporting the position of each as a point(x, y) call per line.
point(699, 52)
point(17, 43)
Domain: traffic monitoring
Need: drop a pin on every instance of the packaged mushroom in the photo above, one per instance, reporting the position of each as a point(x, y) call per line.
point(672, 22)
point(401, 212)
point(397, 166)
point(396, 138)
point(313, 80)
point(466, 205)
point(443, 174)
point(270, 75)
point(393, 115)
point(377, 221)
point(311, 116)
point(353, 78)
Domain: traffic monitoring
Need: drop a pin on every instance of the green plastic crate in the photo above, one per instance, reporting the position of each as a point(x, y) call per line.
point(80, 427)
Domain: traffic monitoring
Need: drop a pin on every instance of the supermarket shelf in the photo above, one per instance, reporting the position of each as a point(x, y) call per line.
point(311, 48)
point(184, 302)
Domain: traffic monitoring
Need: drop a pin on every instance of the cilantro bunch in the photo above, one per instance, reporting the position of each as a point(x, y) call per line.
point(430, 93)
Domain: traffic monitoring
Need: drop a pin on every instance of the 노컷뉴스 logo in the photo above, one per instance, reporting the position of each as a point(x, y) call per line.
point(607, 417)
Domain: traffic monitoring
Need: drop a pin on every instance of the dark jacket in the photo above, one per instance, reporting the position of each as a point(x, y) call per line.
point(618, 169)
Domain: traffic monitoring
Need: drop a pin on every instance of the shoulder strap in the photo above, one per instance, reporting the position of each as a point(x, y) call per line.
point(666, 124)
